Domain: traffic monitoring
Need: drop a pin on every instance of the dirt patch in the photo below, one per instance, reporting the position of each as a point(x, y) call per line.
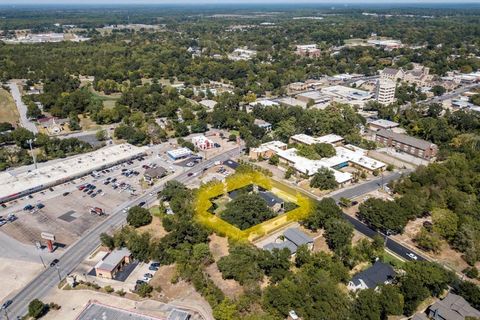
point(218, 246)
point(155, 228)
point(8, 109)
point(15, 275)
point(170, 291)
point(447, 256)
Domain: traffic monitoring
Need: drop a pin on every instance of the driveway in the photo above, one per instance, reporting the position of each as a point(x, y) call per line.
point(22, 108)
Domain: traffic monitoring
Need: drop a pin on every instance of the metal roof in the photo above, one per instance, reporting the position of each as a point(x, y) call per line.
point(96, 311)
point(111, 261)
point(270, 198)
point(298, 237)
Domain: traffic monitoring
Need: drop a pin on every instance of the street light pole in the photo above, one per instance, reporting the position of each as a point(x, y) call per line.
point(58, 272)
point(30, 141)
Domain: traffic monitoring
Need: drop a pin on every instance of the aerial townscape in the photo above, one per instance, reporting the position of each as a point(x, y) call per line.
point(239, 160)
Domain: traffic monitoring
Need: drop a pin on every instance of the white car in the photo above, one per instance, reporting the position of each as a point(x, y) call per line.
point(146, 279)
point(412, 256)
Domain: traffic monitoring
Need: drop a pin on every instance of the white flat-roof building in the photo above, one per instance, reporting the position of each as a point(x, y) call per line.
point(242, 54)
point(209, 104)
point(309, 140)
point(15, 184)
point(180, 153)
point(383, 124)
point(349, 95)
point(292, 102)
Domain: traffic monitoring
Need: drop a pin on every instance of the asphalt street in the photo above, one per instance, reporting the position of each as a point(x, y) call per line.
point(22, 108)
point(49, 278)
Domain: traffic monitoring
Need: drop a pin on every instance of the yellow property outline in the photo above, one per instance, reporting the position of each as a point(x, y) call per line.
point(239, 180)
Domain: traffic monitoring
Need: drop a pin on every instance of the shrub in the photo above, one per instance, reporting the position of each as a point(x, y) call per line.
point(37, 308)
point(144, 290)
point(120, 292)
point(108, 289)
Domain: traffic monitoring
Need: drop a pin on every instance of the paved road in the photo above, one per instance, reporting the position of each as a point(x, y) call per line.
point(22, 108)
point(49, 278)
point(360, 190)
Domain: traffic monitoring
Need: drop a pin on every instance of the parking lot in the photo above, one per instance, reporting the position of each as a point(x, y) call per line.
point(65, 210)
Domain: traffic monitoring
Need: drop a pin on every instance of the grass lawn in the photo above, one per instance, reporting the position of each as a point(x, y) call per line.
point(107, 100)
point(155, 211)
point(8, 109)
point(391, 259)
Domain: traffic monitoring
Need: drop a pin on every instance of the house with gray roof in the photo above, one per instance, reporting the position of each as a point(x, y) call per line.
point(452, 307)
point(379, 273)
point(273, 202)
point(292, 239)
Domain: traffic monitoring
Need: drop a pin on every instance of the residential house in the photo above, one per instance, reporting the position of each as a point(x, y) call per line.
point(379, 273)
point(291, 239)
point(267, 126)
point(452, 307)
point(273, 202)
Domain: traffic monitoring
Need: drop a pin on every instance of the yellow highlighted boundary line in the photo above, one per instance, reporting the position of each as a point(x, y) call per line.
point(239, 180)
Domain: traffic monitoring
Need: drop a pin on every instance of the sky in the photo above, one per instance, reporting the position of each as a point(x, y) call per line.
point(133, 2)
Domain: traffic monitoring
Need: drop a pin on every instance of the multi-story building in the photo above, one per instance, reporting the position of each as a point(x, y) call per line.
point(392, 74)
point(308, 50)
point(402, 142)
point(385, 91)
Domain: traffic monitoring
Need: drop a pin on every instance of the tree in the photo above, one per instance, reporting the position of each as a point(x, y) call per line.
point(101, 135)
point(445, 223)
point(247, 210)
point(323, 210)
point(33, 111)
point(144, 290)
point(275, 264)
point(324, 150)
point(438, 90)
point(5, 126)
point(338, 234)
point(242, 264)
point(107, 241)
point(324, 179)
point(367, 306)
point(290, 171)
point(428, 241)
point(391, 299)
point(36, 308)
point(226, 310)
point(386, 216)
point(274, 160)
point(138, 217)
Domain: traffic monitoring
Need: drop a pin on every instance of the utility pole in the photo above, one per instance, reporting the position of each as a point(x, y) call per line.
point(6, 313)
point(30, 141)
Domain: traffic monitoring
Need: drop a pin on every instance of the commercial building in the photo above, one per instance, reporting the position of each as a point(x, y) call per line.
point(379, 273)
point(308, 50)
point(382, 124)
point(112, 263)
point(348, 95)
point(267, 150)
point(177, 314)
point(404, 143)
point(242, 54)
point(154, 173)
point(209, 104)
point(292, 102)
point(267, 126)
point(202, 142)
point(314, 97)
point(292, 239)
point(96, 310)
point(297, 86)
point(180, 153)
point(392, 74)
point(385, 91)
point(18, 183)
point(452, 307)
point(309, 140)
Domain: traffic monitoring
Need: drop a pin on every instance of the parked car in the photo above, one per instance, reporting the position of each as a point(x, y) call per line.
point(153, 268)
point(54, 262)
point(6, 304)
point(28, 207)
point(148, 275)
point(90, 192)
point(189, 174)
point(4, 205)
point(146, 280)
point(11, 217)
point(40, 206)
point(139, 282)
point(51, 189)
point(412, 256)
point(2, 222)
point(65, 193)
point(141, 204)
